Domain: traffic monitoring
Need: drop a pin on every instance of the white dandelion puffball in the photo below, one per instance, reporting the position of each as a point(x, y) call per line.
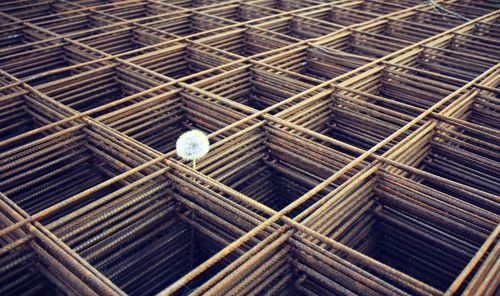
point(192, 145)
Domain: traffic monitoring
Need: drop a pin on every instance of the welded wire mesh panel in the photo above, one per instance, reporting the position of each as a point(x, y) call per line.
point(353, 147)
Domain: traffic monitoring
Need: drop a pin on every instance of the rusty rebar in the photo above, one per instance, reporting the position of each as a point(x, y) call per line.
point(354, 147)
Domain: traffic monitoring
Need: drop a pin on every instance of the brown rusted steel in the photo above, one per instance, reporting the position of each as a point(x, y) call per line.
point(354, 147)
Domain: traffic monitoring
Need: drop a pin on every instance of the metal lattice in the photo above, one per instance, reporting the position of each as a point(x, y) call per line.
point(354, 147)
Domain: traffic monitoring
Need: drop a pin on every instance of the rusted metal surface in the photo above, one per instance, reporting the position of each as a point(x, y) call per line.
point(354, 147)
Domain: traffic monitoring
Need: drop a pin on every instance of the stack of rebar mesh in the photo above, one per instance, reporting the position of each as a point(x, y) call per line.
point(354, 147)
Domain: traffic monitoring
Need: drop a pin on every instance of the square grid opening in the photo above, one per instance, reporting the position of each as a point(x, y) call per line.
point(376, 6)
point(432, 18)
point(182, 60)
point(410, 86)
point(483, 106)
point(445, 63)
point(73, 21)
point(287, 5)
point(30, 62)
point(116, 39)
point(345, 15)
point(84, 89)
point(362, 43)
point(22, 110)
point(22, 271)
point(427, 234)
point(184, 23)
point(471, 10)
point(275, 167)
point(159, 122)
point(136, 9)
point(462, 153)
point(192, 4)
point(15, 34)
point(300, 27)
point(240, 12)
point(356, 118)
point(401, 29)
point(292, 264)
point(58, 163)
point(27, 9)
point(154, 229)
point(256, 86)
point(247, 41)
point(316, 61)
point(484, 46)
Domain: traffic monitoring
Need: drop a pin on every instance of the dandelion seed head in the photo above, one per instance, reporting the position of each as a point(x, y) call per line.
point(192, 145)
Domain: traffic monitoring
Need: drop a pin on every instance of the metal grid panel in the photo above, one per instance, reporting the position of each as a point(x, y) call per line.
point(354, 147)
